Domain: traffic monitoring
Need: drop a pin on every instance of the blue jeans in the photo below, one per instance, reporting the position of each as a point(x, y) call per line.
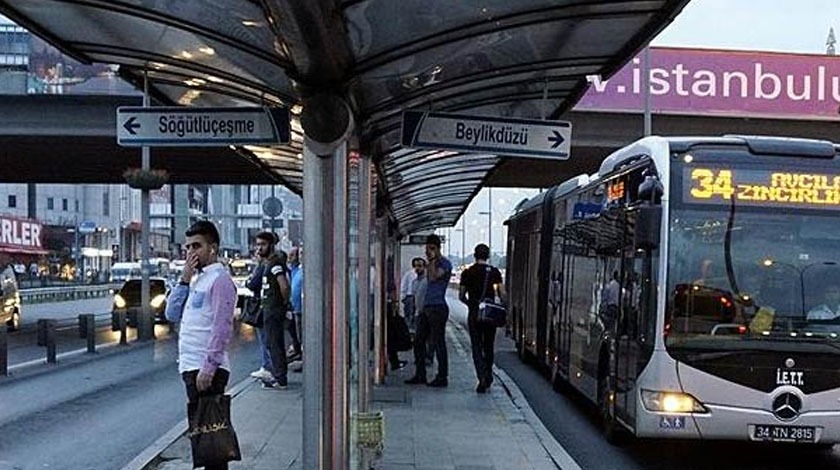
point(431, 326)
point(265, 357)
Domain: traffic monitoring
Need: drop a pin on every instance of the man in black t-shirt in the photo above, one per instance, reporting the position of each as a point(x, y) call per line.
point(478, 282)
point(274, 301)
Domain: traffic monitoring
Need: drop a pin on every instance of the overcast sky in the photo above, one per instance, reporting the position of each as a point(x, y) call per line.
point(766, 25)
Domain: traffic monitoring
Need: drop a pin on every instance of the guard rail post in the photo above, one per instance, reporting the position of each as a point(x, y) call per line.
point(122, 326)
point(4, 352)
point(87, 330)
point(46, 337)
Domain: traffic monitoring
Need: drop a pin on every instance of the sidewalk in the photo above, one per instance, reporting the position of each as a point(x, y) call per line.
point(425, 428)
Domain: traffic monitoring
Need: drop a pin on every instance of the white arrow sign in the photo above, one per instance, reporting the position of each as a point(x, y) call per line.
point(180, 126)
point(484, 134)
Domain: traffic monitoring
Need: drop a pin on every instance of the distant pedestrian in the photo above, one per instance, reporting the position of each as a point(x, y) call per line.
point(408, 286)
point(295, 316)
point(254, 284)
point(479, 282)
point(275, 296)
point(431, 323)
point(203, 302)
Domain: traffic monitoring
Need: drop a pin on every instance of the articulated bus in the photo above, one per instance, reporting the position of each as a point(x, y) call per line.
point(690, 289)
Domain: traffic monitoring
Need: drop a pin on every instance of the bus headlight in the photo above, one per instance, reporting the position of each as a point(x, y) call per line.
point(158, 300)
point(119, 302)
point(671, 402)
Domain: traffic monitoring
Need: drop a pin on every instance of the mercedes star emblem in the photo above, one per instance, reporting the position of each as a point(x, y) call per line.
point(787, 406)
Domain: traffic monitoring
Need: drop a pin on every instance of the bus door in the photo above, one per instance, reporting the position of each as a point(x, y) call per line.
point(531, 298)
point(564, 321)
point(628, 334)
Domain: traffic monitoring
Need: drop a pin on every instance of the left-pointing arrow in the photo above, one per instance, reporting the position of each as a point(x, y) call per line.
point(130, 125)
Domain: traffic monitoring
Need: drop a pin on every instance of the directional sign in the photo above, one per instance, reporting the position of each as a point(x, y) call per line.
point(484, 134)
point(88, 226)
point(181, 126)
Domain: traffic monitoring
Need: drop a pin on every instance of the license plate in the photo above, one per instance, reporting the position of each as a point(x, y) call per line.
point(765, 432)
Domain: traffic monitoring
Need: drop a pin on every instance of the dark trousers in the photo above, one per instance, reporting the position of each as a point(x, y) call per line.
point(275, 335)
point(217, 387)
point(295, 332)
point(431, 326)
point(482, 337)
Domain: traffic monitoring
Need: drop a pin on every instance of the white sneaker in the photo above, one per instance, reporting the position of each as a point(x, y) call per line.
point(262, 374)
point(296, 366)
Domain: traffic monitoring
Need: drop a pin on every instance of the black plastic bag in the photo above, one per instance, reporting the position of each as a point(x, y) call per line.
point(211, 433)
point(252, 312)
point(399, 337)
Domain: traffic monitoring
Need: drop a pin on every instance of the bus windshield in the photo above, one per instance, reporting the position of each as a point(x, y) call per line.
point(753, 260)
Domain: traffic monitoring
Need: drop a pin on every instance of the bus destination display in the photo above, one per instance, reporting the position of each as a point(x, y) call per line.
point(706, 185)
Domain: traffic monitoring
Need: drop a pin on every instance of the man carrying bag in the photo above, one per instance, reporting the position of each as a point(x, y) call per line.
point(481, 283)
point(203, 302)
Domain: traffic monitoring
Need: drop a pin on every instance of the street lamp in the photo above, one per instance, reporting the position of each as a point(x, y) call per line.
point(489, 214)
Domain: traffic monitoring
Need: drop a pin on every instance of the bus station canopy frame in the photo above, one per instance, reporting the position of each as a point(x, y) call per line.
point(517, 59)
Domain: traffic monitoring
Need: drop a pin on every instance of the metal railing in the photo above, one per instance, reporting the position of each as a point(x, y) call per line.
point(59, 294)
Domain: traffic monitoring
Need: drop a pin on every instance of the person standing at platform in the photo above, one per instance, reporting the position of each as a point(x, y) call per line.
point(478, 282)
point(295, 316)
point(275, 295)
point(203, 302)
point(431, 322)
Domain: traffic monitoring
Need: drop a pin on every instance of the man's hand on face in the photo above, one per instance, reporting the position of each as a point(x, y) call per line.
point(190, 267)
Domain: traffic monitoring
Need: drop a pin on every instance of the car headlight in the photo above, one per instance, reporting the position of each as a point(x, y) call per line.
point(119, 302)
point(158, 300)
point(671, 402)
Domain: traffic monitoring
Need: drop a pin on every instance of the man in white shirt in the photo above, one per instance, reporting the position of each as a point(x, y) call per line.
point(407, 288)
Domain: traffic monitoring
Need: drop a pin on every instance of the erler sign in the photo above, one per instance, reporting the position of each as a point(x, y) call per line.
point(20, 235)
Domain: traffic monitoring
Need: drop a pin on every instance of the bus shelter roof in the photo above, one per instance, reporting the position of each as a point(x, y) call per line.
point(518, 59)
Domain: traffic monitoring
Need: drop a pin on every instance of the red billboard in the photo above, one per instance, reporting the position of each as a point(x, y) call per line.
point(18, 235)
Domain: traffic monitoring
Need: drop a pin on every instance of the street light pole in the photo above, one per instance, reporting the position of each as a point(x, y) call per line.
point(490, 221)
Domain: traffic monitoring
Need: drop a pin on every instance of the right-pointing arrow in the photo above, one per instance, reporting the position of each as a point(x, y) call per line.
point(556, 138)
point(130, 125)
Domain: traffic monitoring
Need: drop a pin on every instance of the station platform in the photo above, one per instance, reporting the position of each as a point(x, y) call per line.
point(426, 428)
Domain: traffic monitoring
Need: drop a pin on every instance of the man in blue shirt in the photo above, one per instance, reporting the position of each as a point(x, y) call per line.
point(431, 322)
point(295, 330)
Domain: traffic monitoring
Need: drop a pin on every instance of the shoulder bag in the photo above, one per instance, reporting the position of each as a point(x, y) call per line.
point(491, 312)
point(252, 312)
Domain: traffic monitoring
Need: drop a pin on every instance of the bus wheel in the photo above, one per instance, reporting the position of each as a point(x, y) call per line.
point(606, 406)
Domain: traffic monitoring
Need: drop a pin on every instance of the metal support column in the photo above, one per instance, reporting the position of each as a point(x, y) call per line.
point(317, 300)
point(364, 216)
point(379, 302)
point(364, 284)
point(145, 329)
point(340, 324)
point(327, 123)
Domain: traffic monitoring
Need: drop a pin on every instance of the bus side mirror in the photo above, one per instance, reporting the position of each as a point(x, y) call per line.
point(648, 223)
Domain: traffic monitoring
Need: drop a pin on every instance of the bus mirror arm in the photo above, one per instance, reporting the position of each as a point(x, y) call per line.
point(648, 220)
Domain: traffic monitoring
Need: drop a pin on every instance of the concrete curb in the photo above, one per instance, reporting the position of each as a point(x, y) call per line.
point(149, 457)
point(555, 451)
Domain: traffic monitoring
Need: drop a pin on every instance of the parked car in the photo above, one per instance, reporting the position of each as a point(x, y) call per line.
point(240, 270)
point(128, 300)
point(9, 299)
